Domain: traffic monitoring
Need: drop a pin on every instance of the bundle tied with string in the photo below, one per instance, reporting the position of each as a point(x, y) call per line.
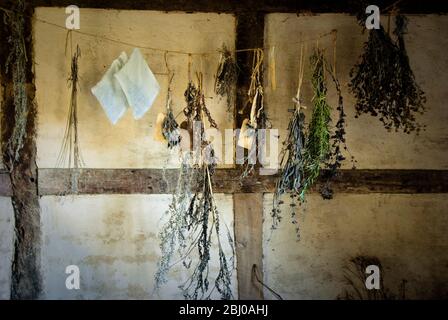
point(194, 223)
point(70, 153)
point(291, 176)
point(257, 119)
point(383, 82)
point(226, 75)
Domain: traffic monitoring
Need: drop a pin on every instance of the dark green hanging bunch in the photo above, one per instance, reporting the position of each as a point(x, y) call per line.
point(383, 82)
point(317, 146)
point(226, 75)
point(338, 142)
point(193, 218)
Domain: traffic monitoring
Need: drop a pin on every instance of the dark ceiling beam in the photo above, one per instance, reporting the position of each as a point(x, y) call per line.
point(235, 6)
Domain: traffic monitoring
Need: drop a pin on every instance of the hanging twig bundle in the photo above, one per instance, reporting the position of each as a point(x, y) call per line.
point(226, 75)
point(383, 82)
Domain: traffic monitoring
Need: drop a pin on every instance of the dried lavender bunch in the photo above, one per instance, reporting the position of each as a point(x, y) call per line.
point(16, 63)
point(317, 146)
point(226, 76)
point(292, 174)
point(383, 82)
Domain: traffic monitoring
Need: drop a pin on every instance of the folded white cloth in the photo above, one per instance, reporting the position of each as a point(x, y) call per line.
point(109, 92)
point(138, 83)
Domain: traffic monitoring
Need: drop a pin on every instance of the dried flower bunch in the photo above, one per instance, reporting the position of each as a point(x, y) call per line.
point(170, 127)
point(383, 82)
point(226, 75)
point(193, 218)
point(292, 173)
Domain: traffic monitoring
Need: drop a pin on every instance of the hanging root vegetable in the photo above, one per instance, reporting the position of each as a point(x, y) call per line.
point(383, 83)
point(226, 75)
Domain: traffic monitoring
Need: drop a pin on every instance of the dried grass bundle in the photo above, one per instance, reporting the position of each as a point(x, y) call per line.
point(170, 127)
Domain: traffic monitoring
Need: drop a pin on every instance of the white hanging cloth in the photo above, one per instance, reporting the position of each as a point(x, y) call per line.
point(138, 83)
point(109, 92)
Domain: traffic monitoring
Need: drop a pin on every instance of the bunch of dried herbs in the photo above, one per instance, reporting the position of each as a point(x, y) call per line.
point(383, 82)
point(338, 142)
point(292, 174)
point(258, 118)
point(194, 221)
point(226, 75)
point(16, 63)
point(317, 145)
point(170, 127)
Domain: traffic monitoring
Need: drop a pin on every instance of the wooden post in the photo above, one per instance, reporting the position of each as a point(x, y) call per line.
point(26, 277)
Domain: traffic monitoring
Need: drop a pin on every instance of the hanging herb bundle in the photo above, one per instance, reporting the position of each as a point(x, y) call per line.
point(16, 63)
point(383, 82)
point(291, 156)
point(226, 76)
point(70, 152)
point(170, 127)
point(338, 144)
point(317, 146)
point(258, 119)
point(193, 216)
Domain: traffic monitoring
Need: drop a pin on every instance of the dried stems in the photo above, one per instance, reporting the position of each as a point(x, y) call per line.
point(292, 155)
point(194, 221)
point(16, 63)
point(383, 82)
point(317, 146)
point(70, 150)
point(226, 75)
point(170, 128)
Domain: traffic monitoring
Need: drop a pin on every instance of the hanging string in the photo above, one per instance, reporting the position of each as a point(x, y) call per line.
point(133, 45)
point(257, 278)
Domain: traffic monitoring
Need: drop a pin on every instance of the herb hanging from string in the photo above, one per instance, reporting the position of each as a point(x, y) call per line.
point(194, 220)
point(291, 176)
point(258, 119)
point(16, 63)
point(383, 82)
point(70, 152)
point(338, 142)
point(170, 127)
point(226, 75)
point(317, 146)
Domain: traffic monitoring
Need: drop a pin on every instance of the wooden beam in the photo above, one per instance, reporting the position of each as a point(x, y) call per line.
point(248, 213)
point(232, 6)
point(26, 278)
point(152, 181)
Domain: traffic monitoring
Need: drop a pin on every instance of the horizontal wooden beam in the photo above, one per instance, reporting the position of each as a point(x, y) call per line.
point(159, 181)
point(232, 6)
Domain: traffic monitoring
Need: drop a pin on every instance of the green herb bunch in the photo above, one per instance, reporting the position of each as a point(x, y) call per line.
point(226, 75)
